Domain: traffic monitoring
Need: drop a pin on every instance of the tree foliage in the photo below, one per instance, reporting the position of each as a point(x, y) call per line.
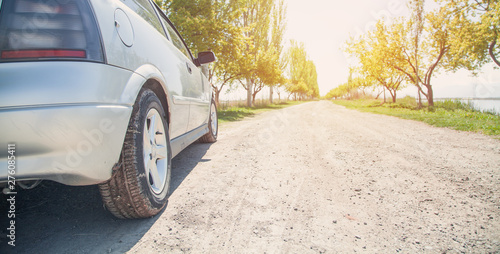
point(373, 50)
point(355, 87)
point(303, 77)
point(263, 24)
point(476, 28)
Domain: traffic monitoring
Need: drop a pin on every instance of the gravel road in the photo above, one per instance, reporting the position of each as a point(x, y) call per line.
point(312, 178)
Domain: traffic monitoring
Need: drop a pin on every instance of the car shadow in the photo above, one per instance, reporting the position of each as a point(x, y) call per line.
point(54, 218)
point(185, 162)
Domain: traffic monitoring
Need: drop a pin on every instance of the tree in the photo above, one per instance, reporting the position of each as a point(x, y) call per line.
point(341, 91)
point(277, 33)
point(312, 80)
point(374, 51)
point(417, 23)
point(476, 25)
point(255, 22)
point(302, 72)
point(270, 64)
point(435, 46)
point(160, 2)
point(449, 43)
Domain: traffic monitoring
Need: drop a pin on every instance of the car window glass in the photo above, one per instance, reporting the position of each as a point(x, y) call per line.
point(146, 11)
point(174, 37)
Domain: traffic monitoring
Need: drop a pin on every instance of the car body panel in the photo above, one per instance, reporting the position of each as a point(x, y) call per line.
point(36, 83)
point(71, 144)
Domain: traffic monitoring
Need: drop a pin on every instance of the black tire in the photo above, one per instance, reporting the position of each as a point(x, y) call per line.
point(139, 186)
point(213, 125)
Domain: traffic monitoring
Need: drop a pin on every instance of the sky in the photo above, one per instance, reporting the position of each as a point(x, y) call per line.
point(325, 25)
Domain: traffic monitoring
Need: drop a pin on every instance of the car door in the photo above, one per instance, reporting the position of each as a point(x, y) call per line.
point(200, 102)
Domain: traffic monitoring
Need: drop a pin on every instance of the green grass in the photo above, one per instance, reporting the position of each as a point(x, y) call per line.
point(451, 114)
point(238, 113)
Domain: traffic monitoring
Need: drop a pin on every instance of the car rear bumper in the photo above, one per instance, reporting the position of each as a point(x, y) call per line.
point(70, 144)
point(67, 119)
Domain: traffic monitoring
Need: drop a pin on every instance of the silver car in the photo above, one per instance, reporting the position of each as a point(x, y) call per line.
point(99, 92)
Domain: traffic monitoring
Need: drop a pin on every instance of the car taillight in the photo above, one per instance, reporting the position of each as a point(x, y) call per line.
point(48, 29)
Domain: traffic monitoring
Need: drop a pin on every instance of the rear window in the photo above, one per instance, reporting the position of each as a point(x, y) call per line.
point(176, 40)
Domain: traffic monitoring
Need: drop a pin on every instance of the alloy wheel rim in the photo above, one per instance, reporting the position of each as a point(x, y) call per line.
point(155, 151)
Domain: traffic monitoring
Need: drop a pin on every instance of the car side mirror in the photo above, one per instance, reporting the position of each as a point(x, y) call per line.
point(205, 57)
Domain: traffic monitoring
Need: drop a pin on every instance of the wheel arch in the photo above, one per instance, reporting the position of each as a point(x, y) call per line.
point(155, 81)
point(155, 86)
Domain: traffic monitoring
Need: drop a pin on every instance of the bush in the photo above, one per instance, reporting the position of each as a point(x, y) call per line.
point(407, 102)
point(452, 105)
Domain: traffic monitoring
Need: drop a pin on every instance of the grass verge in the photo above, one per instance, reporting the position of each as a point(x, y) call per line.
point(451, 114)
point(238, 113)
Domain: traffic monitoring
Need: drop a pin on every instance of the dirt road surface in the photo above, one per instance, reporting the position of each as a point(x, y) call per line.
point(313, 178)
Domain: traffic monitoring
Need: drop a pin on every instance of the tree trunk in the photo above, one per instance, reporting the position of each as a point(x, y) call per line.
point(392, 92)
point(217, 93)
point(249, 92)
point(492, 53)
point(419, 99)
point(271, 94)
point(430, 96)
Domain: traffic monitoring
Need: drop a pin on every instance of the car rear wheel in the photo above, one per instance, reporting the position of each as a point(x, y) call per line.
point(213, 125)
point(139, 186)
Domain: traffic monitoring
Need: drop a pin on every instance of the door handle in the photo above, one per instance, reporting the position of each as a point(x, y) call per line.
point(189, 68)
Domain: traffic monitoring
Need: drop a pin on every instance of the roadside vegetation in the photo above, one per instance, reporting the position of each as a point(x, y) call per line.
point(238, 110)
point(451, 114)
